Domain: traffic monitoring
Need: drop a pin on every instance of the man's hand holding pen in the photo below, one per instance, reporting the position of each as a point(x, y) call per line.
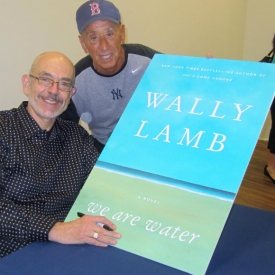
point(87, 229)
point(79, 214)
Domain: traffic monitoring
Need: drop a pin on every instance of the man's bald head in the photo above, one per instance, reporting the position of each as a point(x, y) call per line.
point(54, 56)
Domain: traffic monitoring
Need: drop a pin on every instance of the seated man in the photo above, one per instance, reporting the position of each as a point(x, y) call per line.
point(108, 76)
point(44, 162)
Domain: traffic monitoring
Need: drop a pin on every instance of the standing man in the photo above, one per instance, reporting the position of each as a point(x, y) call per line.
point(44, 162)
point(108, 76)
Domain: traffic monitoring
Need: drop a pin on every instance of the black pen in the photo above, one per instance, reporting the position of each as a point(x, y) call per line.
point(79, 214)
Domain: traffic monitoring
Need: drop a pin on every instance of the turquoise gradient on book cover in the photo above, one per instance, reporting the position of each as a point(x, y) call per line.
point(170, 171)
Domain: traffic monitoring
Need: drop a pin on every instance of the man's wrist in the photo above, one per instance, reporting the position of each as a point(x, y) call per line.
point(54, 232)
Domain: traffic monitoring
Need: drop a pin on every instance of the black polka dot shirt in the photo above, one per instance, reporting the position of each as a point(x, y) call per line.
point(41, 175)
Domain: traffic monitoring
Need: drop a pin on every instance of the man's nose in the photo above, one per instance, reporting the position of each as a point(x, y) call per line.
point(103, 43)
point(54, 88)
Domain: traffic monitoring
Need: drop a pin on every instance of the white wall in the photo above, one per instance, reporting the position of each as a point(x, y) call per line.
point(187, 27)
point(28, 28)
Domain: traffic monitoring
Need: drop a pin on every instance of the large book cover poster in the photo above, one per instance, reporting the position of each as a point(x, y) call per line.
point(171, 170)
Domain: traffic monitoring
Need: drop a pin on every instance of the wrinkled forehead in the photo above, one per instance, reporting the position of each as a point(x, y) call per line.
point(102, 26)
point(55, 66)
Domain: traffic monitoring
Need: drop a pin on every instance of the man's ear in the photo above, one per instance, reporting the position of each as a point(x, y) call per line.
point(122, 33)
point(82, 43)
point(25, 83)
point(73, 91)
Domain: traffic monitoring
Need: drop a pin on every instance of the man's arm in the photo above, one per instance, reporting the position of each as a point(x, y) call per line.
point(17, 222)
point(16, 219)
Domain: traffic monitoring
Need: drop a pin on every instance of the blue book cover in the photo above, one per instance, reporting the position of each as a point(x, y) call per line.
point(171, 170)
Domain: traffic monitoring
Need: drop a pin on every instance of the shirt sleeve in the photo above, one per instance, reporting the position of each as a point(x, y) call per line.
point(17, 223)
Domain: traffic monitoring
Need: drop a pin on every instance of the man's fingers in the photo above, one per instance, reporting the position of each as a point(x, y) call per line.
point(99, 239)
point(93, 241)
point(107, 233)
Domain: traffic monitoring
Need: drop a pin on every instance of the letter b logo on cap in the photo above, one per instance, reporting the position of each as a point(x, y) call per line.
point(95, 8)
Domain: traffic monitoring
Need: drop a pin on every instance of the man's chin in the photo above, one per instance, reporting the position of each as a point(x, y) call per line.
point(52, 114)
point(49, 112)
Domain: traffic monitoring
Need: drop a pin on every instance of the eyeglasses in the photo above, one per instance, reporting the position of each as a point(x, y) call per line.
point(47, 82)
